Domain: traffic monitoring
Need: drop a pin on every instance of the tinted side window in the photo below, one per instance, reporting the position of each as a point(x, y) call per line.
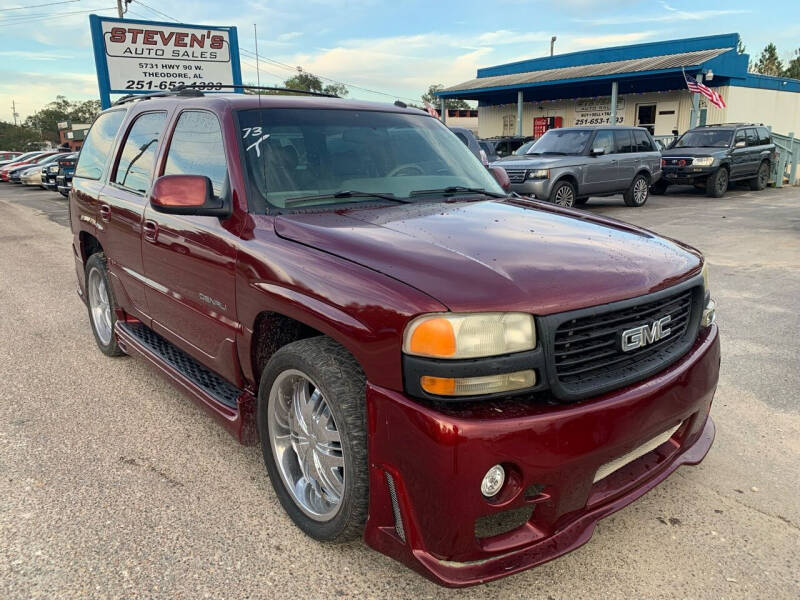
point(98, 145)
point(643, 143)
point(462, 137)
point(763, 136)
point(739, 137)
point(138, 158)
point(605, 140)
point(752, 137)
point(197, 149)
point(623, 141)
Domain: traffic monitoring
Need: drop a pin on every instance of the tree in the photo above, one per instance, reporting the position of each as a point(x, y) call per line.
point(18, 137)
point(793, 68)
point(46, 120)
point(768, 62)
point(431, 98)
point(312, 83)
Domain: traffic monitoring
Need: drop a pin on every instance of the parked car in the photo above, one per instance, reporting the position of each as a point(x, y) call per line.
point(21, 157)
point(59, 175)
point(711, 156)
point(8, 156)
point(567, 165)
point(31, 159)
point(423, 358)
point(471, 142)
point(31, 176)
point(15, 174)
point(499, 147)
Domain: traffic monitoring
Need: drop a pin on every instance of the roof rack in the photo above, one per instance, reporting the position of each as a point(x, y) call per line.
point(195, 91)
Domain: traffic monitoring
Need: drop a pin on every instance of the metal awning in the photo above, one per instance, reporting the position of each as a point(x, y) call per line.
point(654, 63)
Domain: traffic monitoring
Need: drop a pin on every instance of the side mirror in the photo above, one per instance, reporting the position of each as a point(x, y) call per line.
point(500, 175)
point(187, 195)
point(740, 144)
point(598, 151)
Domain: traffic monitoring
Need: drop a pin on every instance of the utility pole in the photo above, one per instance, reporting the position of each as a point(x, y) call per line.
point(14, 112)
point(552, 43)
point(120, 9)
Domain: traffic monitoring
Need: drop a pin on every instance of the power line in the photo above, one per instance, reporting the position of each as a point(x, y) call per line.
point(24, 19)
point(37, 5)
point(158, 12)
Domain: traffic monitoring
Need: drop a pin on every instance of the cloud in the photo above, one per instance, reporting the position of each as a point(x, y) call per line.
point(671, 15)
point(32, 90)
point(30, 55)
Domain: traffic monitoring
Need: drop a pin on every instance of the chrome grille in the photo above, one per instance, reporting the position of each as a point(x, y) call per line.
point(587, 350)
point(516, 175)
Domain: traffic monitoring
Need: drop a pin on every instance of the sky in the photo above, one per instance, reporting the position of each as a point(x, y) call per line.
point(395, 48)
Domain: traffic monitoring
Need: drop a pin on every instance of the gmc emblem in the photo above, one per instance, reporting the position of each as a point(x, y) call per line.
point(639, 337)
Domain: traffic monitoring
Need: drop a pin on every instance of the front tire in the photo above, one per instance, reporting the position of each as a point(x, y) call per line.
point(102, 305)
point(659, 188)
point(563, 194)
point(638, 192)
point(717, 184)
point(312, 423)
point(759, 182)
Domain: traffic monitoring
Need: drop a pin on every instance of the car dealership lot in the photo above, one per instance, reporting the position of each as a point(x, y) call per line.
point(121, 487)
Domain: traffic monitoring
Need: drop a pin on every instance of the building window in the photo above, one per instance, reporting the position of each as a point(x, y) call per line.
point(509, 124)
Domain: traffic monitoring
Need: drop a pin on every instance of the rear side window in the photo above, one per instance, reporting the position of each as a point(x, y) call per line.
point(605, 140)
point(643, 143)
point(763, 136)
point(623, 141)
point(138, 157)
point(752, 137)
point(98, 145)
point(197, 149)
point(739, 137)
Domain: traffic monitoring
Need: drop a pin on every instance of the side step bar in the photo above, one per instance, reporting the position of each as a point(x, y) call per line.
point(233, 407)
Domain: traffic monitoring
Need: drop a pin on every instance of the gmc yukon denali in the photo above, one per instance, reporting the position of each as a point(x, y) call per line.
point(468, 380)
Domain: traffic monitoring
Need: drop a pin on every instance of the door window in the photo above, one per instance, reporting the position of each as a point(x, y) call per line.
point(98, 145)
point(642, 141)
point(197, 148)
point(605, 140)
point(739, 137)
point(752, 137)
point(763, 136)
point(138, 157)
point(623, 142)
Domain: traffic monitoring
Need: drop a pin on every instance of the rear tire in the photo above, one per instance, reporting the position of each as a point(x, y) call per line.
point(563, 194)
point(717, 183)
point(636, 195)
point(659, 188)
point(316, 458)
point(102, 305)
point(759, 182)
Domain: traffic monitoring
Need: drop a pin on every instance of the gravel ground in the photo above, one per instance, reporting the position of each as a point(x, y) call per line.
point(114, 485)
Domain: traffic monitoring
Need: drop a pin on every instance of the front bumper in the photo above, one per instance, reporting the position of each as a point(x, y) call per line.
point(436, 459)
point(686, 175)
point(540, 188)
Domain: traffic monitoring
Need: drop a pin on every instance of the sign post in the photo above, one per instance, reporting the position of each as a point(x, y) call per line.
point(140, 57)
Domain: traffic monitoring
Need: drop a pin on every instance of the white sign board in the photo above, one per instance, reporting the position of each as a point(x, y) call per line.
point(597, 111)
point(142, 56)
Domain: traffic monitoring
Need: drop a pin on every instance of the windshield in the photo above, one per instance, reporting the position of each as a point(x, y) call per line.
point(524, 148)
point(708, 138)
point(557, 141)
point(299, 158)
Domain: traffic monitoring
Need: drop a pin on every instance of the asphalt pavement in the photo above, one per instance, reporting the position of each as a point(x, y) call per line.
point(115, 485)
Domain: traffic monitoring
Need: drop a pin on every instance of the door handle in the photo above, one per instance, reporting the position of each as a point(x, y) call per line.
point(150, 230)
point(105, 212)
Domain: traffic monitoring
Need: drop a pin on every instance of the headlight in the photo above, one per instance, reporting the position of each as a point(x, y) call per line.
point(451, 335)
point(709, 307)
point(539, 174)
point(703, 161)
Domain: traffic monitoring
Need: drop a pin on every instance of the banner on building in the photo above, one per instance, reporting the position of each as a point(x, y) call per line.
point(139, 57)
point(597, 111)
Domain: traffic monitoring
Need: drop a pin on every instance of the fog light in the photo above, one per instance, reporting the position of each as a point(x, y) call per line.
point(493, 481)
point(476, 386)
point(709, 313)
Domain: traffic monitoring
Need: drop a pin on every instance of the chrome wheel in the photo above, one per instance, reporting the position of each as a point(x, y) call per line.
point(99, 306)
point(564, 196)
point(640, 191)
point(306, 445)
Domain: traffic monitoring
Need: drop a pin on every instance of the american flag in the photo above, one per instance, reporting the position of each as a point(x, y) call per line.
point(431, 111)
point(698, 88)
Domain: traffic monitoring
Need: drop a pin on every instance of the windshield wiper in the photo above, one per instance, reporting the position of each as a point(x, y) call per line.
point(346, 194)
point(456, 189)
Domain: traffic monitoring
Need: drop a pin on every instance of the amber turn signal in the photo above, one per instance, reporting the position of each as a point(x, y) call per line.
point(434, 337)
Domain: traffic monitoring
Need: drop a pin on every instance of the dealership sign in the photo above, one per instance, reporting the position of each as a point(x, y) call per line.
point(597, 111)
point(138, 57)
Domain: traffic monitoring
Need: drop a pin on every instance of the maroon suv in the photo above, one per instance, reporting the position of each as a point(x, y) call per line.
point(467, 379)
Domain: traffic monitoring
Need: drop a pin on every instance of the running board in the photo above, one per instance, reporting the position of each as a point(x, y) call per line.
point(234, 407)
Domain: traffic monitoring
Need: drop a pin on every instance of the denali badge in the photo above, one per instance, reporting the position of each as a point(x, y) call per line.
point(638, 337)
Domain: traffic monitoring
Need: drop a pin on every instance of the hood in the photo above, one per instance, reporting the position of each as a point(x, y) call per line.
point(527, 161)
point(499, 255)
point(693, 151)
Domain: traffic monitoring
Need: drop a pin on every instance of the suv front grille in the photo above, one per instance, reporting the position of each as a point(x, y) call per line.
point(516, 175)
point(683, 161)
point(584, 346)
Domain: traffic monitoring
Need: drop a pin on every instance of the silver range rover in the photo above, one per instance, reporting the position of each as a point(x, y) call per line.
point(566, 166)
